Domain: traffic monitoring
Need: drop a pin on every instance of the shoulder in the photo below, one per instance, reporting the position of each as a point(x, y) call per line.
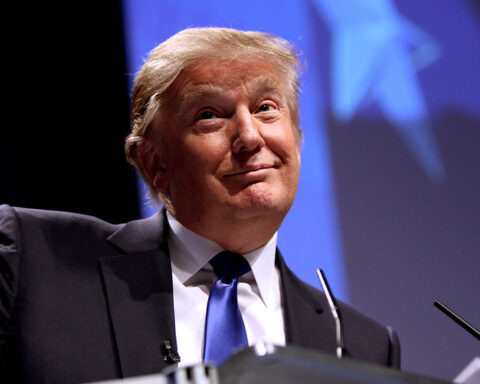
point(355, 319)
point(316, 298)
point(73, 233)
point(42, 237)
point(364, 337)
point(28, 223)
point(348, 312)
point(47, 217)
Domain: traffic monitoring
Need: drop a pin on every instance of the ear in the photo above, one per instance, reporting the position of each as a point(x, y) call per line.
point(151, 161)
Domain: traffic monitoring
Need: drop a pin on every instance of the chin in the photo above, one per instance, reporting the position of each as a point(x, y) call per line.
point(263, 204)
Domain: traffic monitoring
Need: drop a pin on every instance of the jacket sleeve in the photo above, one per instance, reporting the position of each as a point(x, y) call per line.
point(9, 271)
point(394, 353)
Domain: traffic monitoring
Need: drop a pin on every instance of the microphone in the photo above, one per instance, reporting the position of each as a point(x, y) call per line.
point(169, 355)
point(468, 327)
point(337, 316)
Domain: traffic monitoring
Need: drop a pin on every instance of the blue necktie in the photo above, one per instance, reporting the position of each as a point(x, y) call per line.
point(224, 328)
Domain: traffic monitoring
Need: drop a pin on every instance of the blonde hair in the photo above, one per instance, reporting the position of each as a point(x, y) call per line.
point(187, 47)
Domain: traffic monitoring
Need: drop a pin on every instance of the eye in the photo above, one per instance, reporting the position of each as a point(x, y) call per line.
point(205, 115)
point(266, 107)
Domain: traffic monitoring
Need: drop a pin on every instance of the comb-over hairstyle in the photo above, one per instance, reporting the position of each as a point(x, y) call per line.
point(189, 47)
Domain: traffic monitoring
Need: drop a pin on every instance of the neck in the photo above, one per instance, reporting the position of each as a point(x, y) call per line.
point(236, 235)
point(242, 240)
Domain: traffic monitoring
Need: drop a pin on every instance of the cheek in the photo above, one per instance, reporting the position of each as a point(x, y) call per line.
point(200, 154)
point(281, 140)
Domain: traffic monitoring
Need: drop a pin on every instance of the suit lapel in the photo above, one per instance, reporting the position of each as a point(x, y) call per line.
point(139, 295)
point(308, 322)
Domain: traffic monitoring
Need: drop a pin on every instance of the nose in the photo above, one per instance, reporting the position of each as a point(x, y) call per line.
point(248, 137)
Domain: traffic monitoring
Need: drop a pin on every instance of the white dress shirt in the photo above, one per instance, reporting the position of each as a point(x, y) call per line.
point(258, 291)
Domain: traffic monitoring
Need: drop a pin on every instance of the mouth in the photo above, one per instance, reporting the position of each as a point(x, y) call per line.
point(255, 169)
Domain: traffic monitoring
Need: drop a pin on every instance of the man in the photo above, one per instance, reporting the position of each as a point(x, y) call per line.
point(215, 134)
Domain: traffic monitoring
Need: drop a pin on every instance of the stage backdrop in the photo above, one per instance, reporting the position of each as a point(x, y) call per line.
point(388, 203)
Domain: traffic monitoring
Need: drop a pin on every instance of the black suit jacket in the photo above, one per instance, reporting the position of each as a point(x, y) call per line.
point(83, 300)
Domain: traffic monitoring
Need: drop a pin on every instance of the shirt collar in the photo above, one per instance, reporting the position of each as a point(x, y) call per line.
point(190, 252)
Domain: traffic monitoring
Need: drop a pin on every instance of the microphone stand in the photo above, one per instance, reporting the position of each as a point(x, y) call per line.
point(468, 327)
point(337, 316)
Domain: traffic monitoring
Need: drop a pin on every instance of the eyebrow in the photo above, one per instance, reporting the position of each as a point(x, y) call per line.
point(258, 86)
point(266, 84)
point(199, 91)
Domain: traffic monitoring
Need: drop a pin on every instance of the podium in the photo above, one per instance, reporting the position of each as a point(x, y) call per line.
point(287, 365)
point(268, 364)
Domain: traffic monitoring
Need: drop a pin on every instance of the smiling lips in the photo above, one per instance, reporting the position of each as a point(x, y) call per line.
point(251, 170)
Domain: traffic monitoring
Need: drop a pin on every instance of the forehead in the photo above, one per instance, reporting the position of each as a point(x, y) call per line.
point(211, 76)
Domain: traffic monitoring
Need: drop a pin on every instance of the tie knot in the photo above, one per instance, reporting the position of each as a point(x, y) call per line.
point(228, 266)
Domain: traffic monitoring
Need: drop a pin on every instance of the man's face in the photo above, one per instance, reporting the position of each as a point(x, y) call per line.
point(227, 147)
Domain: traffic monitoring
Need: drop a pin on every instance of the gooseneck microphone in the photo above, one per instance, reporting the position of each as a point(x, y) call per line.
point(337, 316)
point(468, 327)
